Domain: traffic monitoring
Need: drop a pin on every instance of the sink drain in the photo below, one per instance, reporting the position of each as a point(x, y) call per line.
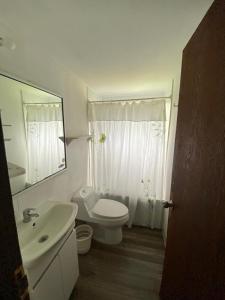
point(43, 239)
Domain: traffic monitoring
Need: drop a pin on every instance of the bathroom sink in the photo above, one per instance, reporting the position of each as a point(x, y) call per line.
point(42, 233)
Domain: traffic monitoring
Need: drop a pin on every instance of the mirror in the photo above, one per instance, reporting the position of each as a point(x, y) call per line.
point(33, 129)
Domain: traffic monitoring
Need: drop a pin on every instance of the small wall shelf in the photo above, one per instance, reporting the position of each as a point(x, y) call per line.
point(69, 139)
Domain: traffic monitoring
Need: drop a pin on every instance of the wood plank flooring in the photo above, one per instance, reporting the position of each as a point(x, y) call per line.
point(129, 271)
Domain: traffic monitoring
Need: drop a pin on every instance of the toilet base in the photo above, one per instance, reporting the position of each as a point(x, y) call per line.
point(107, 235)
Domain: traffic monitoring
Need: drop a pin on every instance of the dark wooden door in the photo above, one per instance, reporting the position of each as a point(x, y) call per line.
point(13, 281)
point(195, 252)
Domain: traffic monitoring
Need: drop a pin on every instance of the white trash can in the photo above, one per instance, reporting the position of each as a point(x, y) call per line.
point(84, 235)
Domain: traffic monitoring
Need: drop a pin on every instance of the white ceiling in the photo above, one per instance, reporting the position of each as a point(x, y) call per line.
point(116, 46)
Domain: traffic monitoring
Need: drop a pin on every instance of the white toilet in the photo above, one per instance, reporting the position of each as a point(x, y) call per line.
point(105, 216)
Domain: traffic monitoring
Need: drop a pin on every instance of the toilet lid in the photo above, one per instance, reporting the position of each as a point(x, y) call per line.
point(109, 209)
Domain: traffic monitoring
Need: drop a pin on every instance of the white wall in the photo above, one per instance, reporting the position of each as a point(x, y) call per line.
point(12, 114)
point(38, 67)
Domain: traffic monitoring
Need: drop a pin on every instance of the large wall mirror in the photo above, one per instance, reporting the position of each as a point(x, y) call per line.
point(33, 129)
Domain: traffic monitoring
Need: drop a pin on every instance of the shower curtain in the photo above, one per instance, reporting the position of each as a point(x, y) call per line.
point(127, 156)
point(45, 151)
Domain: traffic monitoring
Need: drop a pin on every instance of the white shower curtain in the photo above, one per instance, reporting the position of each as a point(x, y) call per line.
point(45, 150)
point(128, 154)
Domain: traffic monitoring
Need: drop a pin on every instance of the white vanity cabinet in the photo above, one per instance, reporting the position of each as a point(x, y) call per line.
point(50, 286)
point(69, 265)
point(59, 279)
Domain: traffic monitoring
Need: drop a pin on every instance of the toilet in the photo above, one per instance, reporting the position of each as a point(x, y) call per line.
point(105, 216)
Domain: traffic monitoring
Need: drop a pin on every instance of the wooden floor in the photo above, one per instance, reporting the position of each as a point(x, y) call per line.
point(129, 271)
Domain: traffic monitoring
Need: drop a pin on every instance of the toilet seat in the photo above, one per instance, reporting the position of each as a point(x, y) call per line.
point(111, 209)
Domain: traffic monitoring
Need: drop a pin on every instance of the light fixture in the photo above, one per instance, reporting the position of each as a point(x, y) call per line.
point(6, 42)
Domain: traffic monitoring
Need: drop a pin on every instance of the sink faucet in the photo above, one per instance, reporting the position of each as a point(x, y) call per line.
point(27, 215)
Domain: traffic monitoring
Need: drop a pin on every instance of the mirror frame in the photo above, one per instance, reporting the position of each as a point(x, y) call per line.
point(29, 83)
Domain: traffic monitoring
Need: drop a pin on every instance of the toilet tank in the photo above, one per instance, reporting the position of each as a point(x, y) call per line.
point(87, 195)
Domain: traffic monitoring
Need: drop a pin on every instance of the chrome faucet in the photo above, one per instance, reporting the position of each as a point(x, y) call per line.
point(27, 215)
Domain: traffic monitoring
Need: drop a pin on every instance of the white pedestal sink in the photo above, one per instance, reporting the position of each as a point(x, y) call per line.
point(42, 233)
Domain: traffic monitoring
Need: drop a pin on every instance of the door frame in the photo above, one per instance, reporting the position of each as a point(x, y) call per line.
point(13, 281)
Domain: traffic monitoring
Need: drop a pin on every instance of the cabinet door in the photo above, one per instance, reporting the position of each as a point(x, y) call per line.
point(50, 286)
point(69, 264)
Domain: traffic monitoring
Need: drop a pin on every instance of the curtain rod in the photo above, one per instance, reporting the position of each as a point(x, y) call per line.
point(41, 103)
point(126, 100)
